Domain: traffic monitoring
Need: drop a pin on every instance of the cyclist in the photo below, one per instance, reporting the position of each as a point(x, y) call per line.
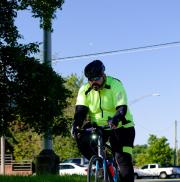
point(103, 100)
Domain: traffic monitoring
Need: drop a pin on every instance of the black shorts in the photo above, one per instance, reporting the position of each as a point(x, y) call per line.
point(122, 137)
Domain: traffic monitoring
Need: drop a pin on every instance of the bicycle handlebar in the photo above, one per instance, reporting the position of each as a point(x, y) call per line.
point(93, 129)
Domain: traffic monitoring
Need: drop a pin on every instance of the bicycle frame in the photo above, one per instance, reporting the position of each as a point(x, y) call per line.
point(102, 155)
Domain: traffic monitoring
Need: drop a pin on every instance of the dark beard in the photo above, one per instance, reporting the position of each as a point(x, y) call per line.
point(96, 86)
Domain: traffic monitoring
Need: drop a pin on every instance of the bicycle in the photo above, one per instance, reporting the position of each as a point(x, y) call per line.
point(100, 168)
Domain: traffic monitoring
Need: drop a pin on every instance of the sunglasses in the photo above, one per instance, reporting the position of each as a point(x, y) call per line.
point(95, 78)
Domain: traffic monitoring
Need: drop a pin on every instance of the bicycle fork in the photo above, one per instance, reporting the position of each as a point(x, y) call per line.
point(101, 154)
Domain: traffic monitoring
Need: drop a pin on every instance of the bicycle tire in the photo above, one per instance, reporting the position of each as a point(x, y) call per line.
point(96, 173)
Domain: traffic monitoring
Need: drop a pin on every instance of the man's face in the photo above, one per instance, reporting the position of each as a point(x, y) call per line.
point(96, 82)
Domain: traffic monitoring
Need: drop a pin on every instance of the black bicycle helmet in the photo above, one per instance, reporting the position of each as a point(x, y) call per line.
point(94, 69)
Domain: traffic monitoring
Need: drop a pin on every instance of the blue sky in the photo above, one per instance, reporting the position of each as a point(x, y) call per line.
point(91, 26)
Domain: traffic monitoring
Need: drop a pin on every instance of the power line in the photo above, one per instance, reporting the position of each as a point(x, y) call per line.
point(128, 50)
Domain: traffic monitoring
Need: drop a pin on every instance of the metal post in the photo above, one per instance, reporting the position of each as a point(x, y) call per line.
point(2, 155)
point(47, 161)
point(175, 144)
point(47, 47)
point(47, 142)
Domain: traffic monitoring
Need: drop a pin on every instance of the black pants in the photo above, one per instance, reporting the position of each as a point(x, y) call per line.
point(118, 138)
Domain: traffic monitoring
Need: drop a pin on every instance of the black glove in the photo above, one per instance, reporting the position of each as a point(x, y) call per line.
point(113, 122)
point(119, 116)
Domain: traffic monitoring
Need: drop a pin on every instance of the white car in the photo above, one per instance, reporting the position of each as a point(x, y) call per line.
point(81, 160)
point(71, 168)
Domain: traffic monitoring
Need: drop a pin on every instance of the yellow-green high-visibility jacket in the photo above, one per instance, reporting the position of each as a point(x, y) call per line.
point(103, 103)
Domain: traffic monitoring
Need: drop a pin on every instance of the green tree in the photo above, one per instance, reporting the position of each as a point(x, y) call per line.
point(178, 157)
point(41, 97)
point(65, 146)
point(159, 150)
point(8, 39)
point(28, 143)
point(43, 9)
point(139, 153)
point(22, 77)
point(73, 83)
point(141, 159)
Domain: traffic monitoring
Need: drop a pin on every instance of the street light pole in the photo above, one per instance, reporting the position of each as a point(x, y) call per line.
point(175, 145)
point(142, 97)
point(47, 161)
point(47, 142)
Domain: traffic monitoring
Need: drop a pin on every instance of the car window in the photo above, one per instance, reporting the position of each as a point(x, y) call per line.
point(145, 167)
point(66, 167)
point(77, 161)
point(153, 166)
point(86, 161)
point(67, 160)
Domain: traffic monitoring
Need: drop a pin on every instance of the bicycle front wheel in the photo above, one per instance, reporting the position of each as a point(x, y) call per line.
point(96, 171)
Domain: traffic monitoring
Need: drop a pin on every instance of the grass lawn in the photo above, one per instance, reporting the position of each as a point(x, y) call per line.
point(53, 178)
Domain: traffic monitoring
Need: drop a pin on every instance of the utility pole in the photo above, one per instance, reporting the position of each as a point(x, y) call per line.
point(175, 144)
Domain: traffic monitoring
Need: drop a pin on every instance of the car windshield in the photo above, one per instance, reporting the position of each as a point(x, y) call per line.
point(86, 161)
point(77, 161)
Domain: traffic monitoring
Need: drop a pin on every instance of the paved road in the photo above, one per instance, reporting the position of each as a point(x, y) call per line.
point(157, 180)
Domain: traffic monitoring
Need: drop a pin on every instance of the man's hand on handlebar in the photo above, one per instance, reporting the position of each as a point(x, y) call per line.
point(112, 123)
point(74, 131)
